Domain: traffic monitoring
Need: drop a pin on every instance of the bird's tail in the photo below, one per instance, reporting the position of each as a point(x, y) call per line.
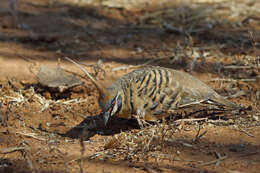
point(226, 103)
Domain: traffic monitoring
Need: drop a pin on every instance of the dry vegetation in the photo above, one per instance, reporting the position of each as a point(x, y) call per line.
point(45, 116)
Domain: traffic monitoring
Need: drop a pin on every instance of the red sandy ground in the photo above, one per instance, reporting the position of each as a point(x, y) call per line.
point(61, 30)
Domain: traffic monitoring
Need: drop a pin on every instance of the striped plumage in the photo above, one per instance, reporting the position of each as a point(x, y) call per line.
point(154, 92)
point(159, 91)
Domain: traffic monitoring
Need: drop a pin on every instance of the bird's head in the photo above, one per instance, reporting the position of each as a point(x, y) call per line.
point(110, 103)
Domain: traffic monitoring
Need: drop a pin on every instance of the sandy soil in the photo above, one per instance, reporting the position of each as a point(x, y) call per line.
point(107, 36)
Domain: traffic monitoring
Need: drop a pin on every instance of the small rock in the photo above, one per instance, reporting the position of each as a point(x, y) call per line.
point(56, 78)
point(51, 141)
point(139, 50)
point(210, 125)
point(186, 144)
point(230, 121)
point(255, 118)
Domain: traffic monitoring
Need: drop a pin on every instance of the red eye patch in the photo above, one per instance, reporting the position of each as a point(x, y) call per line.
point(110, 109)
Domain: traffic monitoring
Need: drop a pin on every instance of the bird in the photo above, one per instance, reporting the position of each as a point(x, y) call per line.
point(153, 93)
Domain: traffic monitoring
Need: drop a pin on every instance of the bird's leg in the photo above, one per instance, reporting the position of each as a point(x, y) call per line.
point(140, 118)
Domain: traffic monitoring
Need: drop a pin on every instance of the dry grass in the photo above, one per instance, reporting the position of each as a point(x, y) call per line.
point(139, 144)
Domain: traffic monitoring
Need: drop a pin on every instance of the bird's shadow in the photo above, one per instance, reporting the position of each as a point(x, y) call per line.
point(93, 125)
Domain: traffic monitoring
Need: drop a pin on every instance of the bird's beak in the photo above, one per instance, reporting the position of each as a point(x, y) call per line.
point(106, 116)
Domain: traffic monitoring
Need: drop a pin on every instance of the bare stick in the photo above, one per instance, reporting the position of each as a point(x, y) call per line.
point(198, 135)
point(247, 133)
point(32, 135)
point(213, 161)
point(190, 120)
point(12, 149)
point(233, 80)
point(98, 85)
point(239, 67)
point(79, 66)
point(217, 156)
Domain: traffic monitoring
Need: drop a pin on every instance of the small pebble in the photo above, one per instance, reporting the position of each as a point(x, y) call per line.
point(210, 125)
point(230, 121)
point(255, 118)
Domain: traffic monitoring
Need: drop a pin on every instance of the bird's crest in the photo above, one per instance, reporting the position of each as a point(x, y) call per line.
point(102, 91)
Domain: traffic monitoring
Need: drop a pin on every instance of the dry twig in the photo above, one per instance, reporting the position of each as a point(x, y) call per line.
point(191, 120)
point(198, 135)
point(246, 132)
point(12, 149)
point(213, 161)
point(232, 80)
point(32, 135)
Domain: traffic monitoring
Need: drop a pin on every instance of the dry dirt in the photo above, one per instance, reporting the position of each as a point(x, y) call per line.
point(34, 119)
